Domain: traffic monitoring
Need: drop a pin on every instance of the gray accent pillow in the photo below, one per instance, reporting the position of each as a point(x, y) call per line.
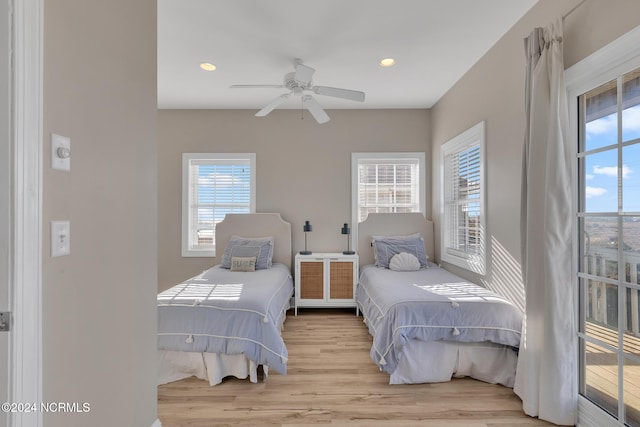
point(385, 247)
point(259, 247)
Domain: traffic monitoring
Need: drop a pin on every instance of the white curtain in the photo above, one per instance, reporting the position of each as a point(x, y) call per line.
point(546, 378)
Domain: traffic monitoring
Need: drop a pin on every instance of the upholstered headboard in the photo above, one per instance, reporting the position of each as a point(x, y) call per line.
point(256, 225)
point(393, 224)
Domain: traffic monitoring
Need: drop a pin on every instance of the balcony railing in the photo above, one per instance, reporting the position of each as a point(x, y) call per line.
point(602, 304)
point(604, 300)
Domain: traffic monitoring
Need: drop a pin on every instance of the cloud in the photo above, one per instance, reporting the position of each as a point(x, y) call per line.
point(612, 170)
point(594, 192)
point(589, 176)
point(631, 119)
point(609, 124)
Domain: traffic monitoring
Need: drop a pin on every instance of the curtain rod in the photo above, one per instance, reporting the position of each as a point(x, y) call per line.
point(573, 9)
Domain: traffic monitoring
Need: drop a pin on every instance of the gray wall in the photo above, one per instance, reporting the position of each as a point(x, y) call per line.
point(303, 168)
point(293, 155)
point(99, 319)
point(5, 194)
point(493, 90)
point(100, 90)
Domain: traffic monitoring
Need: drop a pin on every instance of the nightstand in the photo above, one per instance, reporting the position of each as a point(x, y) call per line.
point(326, 280)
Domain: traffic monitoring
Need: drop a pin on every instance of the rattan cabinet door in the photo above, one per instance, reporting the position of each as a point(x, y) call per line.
point(341, 279)
point(312, 280)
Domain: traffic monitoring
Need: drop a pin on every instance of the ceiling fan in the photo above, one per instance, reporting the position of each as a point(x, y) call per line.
point(299, 82)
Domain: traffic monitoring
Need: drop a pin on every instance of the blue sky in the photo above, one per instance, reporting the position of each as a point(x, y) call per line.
point(223, 185)
point(601, 169)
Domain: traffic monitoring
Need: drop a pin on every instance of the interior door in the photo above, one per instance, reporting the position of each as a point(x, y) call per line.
point(5, 200)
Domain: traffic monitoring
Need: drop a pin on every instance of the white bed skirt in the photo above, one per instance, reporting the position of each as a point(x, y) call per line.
point(213, 367)
point(439, 361)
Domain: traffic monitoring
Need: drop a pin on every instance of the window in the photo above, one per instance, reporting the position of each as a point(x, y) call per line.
point(604, 99)
point(213, 185)
point(387, 182)
point(463, 239)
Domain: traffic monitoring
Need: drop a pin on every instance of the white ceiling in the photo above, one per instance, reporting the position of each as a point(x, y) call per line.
point(256, 42)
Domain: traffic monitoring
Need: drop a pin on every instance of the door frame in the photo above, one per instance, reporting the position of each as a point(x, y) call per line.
point(25, 359)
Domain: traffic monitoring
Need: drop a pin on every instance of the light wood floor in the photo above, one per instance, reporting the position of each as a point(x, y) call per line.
point(331, 380)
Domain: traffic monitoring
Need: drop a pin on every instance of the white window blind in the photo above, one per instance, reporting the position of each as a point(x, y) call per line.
point(213, 186)
point(463, 210)
point(387, 182)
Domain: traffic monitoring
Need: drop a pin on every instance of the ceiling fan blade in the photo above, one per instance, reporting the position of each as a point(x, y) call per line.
point(272, 105)
point(315, 109)
point(255, 86)
point(303, 74)
point(353, 95)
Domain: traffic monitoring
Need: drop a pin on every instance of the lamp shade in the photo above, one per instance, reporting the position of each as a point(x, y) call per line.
point(307, 227)
point(345, 229)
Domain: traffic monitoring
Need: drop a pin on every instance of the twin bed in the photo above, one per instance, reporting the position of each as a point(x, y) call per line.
point(226, 321)
point(427, 324)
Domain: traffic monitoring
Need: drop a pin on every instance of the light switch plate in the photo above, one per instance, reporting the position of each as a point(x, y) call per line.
point(60, 152)
point(60, 238)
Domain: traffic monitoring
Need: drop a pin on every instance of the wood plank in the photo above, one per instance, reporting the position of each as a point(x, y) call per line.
point(602, 369)
point(331, 380)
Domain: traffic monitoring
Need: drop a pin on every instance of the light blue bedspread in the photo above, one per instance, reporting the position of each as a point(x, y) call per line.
point(430, 304)
point(223, 311)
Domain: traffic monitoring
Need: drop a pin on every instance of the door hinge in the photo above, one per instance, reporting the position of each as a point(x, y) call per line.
point(5, 321)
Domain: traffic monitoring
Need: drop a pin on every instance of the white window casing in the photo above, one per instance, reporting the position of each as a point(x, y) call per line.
point(387, 182)
point(213, 185)
point(463, 200)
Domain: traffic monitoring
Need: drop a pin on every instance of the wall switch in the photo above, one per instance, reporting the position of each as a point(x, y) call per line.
point(60, 238)
point(60, 152)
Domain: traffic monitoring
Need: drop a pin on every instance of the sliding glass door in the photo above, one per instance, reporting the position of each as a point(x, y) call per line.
point(609, 245)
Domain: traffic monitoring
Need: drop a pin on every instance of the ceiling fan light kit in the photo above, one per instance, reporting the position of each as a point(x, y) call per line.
point(297, 83)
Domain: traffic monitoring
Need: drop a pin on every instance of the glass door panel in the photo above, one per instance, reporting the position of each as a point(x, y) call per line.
point(631, 177)
point(631, 106)
point(632, 392)
point(609, 251)
point(601, 376)
point(601, 181)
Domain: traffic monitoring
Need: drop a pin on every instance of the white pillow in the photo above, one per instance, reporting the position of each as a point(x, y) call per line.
point(404, 261)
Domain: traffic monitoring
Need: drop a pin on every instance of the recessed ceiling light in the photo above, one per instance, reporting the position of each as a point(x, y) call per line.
point(207, 66)
point(387, 62)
